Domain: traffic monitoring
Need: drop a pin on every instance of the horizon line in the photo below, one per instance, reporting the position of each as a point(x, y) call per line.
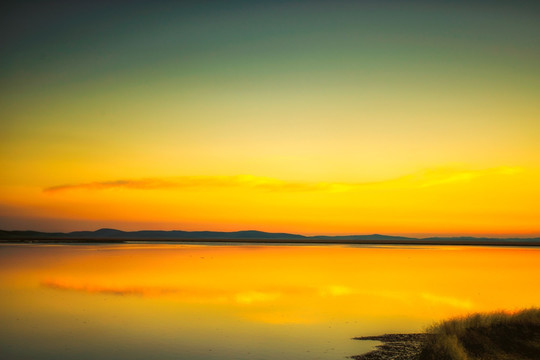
point(415, 235)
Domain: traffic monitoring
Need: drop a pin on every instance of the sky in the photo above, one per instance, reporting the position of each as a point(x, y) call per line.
point(313, 117)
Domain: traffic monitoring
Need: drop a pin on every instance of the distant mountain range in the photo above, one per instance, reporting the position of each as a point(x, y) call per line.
point(102, 235)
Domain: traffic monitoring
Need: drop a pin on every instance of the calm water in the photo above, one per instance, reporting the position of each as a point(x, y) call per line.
point(243, 302)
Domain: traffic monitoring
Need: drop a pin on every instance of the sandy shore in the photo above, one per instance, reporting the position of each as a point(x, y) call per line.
point(394, 347)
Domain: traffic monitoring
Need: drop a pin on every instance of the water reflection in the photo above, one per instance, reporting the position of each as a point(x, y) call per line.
point(243, 302)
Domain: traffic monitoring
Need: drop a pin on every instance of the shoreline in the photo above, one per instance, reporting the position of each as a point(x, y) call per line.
point(394, 347)
point(415, 242)
point(496, 335)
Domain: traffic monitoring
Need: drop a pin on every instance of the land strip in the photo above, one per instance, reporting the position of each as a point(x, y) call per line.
point(75, 240)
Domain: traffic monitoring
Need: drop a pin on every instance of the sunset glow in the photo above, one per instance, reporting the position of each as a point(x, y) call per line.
point(308, 117)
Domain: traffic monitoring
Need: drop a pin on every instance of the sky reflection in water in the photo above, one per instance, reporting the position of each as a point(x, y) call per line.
point(243, 302)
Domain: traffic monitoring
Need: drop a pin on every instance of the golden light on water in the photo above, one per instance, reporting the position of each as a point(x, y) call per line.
point(302, 284)
point(243, 300)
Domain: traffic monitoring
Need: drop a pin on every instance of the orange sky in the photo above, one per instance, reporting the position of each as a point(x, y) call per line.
point(499, 201)
point(349, 119)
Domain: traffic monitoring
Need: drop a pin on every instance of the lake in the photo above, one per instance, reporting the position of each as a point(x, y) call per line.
point(256, 302)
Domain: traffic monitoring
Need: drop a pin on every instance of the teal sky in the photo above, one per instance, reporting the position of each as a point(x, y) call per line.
point(76, 44)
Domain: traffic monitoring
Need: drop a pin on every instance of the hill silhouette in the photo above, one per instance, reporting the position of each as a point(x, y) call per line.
point(114, 235)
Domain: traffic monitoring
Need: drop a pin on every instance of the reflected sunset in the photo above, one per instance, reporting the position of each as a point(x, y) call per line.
point(273, 283)
point(259, 295)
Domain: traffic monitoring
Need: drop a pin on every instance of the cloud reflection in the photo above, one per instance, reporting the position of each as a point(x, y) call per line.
point(252, 296)
point(186, 294)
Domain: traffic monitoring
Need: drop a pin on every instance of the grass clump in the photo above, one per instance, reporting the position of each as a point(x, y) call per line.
point(493, 336)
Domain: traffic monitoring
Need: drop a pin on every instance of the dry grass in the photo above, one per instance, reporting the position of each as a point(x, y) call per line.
point(494, 336)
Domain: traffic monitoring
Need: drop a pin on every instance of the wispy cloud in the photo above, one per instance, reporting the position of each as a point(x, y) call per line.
point(423, 179)
point(143, 184)
point(186, 182)
point(443, 176)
